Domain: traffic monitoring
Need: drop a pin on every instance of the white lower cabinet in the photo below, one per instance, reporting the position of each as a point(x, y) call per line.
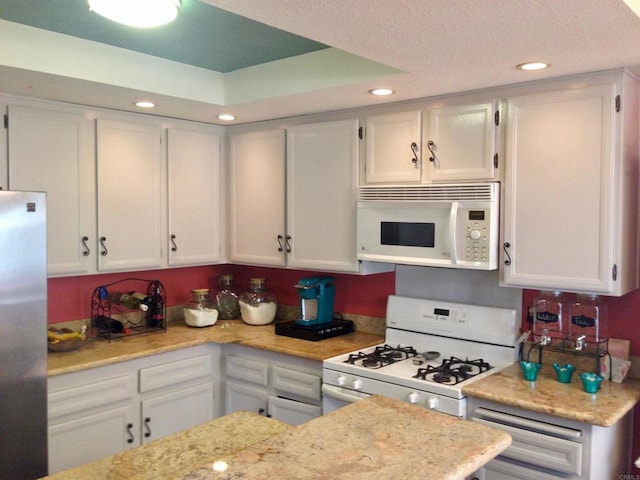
point(132, 403)
point(279, 386)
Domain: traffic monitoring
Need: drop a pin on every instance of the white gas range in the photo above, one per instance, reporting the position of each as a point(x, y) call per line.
point(432, 349)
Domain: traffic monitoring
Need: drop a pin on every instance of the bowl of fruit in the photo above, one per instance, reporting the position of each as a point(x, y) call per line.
point(66, 339)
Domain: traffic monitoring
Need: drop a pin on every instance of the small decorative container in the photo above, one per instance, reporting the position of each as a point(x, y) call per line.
point(530, 370)
point(591, 381)
point(227, 296)
point(564, 372)
point(200, 311)
point(258, 304)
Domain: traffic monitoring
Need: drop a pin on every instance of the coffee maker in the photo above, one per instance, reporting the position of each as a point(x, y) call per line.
point(317, 294)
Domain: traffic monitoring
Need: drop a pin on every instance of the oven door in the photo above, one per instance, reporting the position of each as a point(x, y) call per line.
point(334, 398)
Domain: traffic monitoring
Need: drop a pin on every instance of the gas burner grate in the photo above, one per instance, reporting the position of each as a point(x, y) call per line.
point(452, 371)
point(381, 356)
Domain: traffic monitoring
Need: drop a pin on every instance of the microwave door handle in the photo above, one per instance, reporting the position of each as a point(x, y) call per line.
point(453, 231)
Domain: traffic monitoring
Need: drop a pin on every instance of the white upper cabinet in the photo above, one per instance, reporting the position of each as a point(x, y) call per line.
point(322, 177)
point(130, 199)
point(257, 218)
point(460, 143)
point(570, 206)
point(53, 151)
point(193, 159)
point(393, 148)
point(316, 230)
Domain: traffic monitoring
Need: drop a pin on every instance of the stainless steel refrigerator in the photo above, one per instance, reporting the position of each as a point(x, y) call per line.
point(23, 339)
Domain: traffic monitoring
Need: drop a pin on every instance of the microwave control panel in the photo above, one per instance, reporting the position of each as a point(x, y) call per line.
point(477, 237)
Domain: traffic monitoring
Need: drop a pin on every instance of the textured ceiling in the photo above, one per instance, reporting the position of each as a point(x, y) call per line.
point(417, 47)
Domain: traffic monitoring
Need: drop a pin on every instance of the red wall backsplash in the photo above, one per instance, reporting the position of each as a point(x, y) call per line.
point(70, 297)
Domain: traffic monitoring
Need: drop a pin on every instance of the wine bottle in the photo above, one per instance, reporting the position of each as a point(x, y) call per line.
point(155, 317)
point(110, 325)
point(127, 300)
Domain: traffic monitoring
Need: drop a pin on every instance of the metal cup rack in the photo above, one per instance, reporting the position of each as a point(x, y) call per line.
point(596, 351)
point(112, 321)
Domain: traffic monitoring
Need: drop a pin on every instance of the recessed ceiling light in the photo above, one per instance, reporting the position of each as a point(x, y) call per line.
point(227, 117)
point(381, 91)
point(145, 104)
point(137, 13)
point(530, 66)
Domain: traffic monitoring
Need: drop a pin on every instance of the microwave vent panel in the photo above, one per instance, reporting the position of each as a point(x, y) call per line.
point(428, 193)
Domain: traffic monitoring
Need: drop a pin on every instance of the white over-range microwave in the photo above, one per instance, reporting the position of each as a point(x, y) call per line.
point(440, 225)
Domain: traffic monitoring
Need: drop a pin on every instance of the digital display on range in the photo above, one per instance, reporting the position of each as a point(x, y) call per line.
point(441, 311)
point(476, 214)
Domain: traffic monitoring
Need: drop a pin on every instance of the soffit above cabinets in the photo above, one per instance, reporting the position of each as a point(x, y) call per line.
point(275, 58)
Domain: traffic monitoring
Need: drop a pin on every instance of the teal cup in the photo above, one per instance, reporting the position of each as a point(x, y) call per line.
point(564, 372)
point(591, 381)
point(530, 370)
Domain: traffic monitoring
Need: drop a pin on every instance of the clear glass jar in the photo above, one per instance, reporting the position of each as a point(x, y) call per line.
point(200, 311)
point(258, 304)
point(227, 296)
point(549, 317)
point(588, 323)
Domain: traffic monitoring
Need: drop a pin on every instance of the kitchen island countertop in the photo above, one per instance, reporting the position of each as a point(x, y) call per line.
point(101, 352)
point(375, 438)
point(565, 400)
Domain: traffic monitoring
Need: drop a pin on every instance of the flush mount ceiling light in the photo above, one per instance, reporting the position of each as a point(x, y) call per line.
point(530, 66)
point(145, 104)
point(137, 13)
point(227, 117)
point(381, 91)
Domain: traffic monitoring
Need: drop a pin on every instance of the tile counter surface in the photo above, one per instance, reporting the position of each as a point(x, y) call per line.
point(374, 438)
point(100, 352)
point(565, 400)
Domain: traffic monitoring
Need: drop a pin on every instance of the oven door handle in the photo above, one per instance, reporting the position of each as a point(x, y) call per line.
point(336, 392)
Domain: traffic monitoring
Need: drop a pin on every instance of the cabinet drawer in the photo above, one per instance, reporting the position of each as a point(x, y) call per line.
point(293, 413)
point(97, 395)
point(297, 384)
point(173, 373)
point(247, 370)
point(537, 449)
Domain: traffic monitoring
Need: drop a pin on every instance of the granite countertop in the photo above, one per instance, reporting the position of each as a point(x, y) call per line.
point(177, 455)
point(100, 352)
point(566, 400)
point(375, 438)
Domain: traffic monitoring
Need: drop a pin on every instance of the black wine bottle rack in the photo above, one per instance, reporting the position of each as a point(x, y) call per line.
point(111, 321)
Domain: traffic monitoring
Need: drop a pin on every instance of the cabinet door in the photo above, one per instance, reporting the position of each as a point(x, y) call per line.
point(194, 197)
point(87, 438)
point(322, 162)
point(53, 151)
point(176, 410)
point(389, 153)
point(129, 195)
point(558, 223)
point(291, 412)
point(239, 396)
point(461, 143)
point(257, 223)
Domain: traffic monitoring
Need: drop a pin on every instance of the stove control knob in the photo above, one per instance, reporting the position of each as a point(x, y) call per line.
point(357, 384)
point(432, 403)
point(341, 380)
point(413, 397)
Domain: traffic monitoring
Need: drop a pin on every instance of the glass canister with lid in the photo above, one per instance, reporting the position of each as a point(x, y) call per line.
point(549, 318)
point(258, 304)
point(588, 324)
point(227, 296)
point(200, 311)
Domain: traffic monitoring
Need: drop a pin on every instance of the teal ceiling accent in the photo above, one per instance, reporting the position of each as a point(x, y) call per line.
point(202, 35)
